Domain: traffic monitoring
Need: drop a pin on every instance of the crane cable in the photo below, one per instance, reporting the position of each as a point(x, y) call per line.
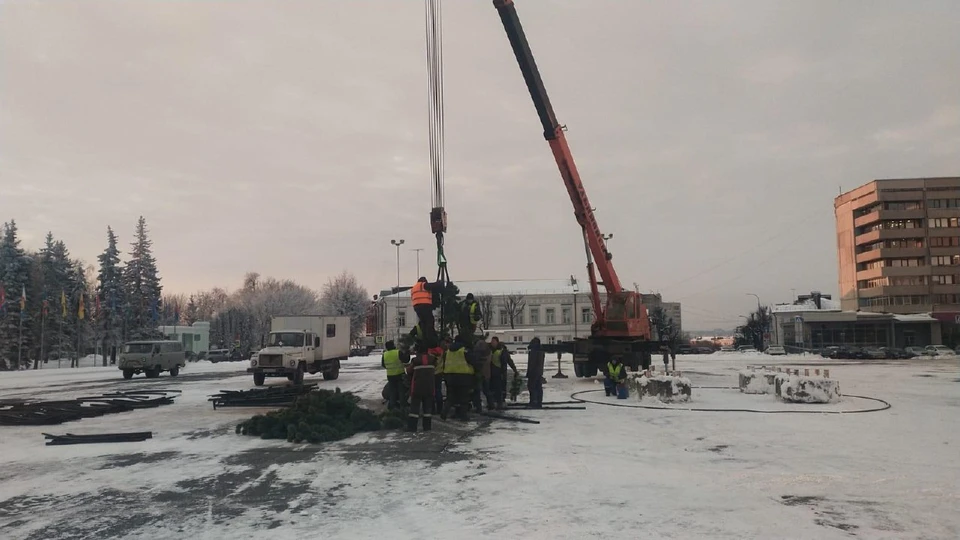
point(434, 50)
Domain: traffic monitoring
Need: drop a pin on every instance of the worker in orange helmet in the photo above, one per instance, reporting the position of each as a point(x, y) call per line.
point(421, 295)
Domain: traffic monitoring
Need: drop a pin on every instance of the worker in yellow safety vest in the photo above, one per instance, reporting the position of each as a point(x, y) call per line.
point(393, 363)
point(616, 374)
point(459, 375)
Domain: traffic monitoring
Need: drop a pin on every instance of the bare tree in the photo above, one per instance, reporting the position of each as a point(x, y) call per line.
point(343, 295)
point(514, 304)
point(485, 301)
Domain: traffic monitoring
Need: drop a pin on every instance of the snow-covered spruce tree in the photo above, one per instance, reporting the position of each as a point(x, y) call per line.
point(53, 279)
point(343, 295)
point(142, 286)
point(15, 278)
point(110, 289)
point(80, 310)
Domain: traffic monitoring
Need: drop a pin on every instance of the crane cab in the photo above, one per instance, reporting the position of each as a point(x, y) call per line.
point(625, 316)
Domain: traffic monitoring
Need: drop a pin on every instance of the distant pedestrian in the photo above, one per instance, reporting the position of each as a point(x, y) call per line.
point(616, 374)
point(499, 361)
point(666, 358)
point(535, 360)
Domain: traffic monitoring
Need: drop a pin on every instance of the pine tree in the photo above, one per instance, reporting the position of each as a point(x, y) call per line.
point(15, 278)
point(190, 312)
point(142, 286)
point(110, 290)
point(52, 277)
point(80, 308)
point(62, 318)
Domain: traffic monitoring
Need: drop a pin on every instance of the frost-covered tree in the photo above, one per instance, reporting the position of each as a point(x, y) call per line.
point(54, 278)
point(514, 304)
point(142, 287)
point(343, 295)
point(110, 289)
point(15, 278)
point(189, 315)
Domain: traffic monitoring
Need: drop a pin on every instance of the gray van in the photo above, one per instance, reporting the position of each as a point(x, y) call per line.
point(152, 357)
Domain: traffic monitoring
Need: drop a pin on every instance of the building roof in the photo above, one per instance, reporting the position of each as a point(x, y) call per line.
point(512, 286)
point(826, 304)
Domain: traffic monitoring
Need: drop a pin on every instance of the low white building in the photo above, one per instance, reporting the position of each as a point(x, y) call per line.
point(552, 309)
point(195, 338)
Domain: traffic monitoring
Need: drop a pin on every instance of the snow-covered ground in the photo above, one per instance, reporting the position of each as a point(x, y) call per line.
point(613, 472)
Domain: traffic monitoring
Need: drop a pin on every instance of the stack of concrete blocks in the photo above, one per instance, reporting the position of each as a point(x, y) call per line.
point(668, 387)
point(758, 381)
point(792, 387)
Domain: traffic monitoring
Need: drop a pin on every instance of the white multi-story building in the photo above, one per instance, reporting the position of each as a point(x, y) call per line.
point(552, 309)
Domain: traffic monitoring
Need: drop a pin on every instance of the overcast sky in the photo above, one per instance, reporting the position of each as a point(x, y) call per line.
point(290, 138)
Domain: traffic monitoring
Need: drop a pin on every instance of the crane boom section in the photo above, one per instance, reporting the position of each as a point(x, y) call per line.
point(553, 133)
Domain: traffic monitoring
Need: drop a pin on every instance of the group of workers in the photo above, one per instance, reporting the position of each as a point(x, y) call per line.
point(468, 365)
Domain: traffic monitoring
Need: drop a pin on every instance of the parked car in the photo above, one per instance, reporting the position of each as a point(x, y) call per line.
point(939, 350)
point(916, 351)
point(746, 348)
point(775, 350)
point(829, 352)
point(874, 352)
point(727, 349)
point(218, 355)
point(686, 349)
point(894, 353)
point(705, 350)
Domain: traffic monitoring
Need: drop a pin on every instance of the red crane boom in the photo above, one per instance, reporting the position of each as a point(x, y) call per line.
point(621, 326)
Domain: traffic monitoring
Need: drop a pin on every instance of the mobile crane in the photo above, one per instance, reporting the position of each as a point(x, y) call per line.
point(621, 327)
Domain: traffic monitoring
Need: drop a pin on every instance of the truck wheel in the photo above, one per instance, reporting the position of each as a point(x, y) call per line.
point(258, 379)
point(152, 373)
point(590, 371)
point(298, 376)
point(332, 374)
point(578, 369)
point(174, 371)
point(128, 374)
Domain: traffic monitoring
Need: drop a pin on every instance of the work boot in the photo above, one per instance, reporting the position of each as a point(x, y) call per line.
point(427, 421)
point(412, 423)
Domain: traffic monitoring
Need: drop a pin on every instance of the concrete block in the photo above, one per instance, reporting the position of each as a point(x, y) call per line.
point(796, 388)
point(666, 388)
point(757, 381)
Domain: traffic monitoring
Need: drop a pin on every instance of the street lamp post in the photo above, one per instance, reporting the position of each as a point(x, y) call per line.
point(418, 250)
point(398, 243)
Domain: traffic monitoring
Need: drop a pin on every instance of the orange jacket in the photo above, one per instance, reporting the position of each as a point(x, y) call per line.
point(420, 295)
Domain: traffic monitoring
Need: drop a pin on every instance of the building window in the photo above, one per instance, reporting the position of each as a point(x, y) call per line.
point(504, 320)
point(945, 241)
point(944, 203)
point(904, 224)
point(518, 339)
point(946, 298)
point(886, 301)
point(904, 262)
point(519, 318)
point(585, 316)
point(904, 243)
point(860, 212)
point(903, 205)
point(945, 260)
point(535, 315)
point(551, 316)
point(949, 279)
point(401, 317)
point(551, 340)
point(944, 223)
point(567, 315)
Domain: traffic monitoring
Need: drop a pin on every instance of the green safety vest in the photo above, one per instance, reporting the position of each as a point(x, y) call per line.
point(456, 362)
point(473, 313)
point(495, 358)
point(391, 360)
point(614, 371)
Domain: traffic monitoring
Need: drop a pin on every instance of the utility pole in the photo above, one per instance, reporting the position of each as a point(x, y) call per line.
point(398, 243)
point(418, 250)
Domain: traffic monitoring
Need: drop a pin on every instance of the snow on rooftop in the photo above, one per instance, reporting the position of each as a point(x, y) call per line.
point(826, 304)
point(516, 286)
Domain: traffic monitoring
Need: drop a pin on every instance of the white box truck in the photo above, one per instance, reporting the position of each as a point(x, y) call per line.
point(304, 344)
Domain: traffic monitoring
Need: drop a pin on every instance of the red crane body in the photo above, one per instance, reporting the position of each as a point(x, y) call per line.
point(621, 326)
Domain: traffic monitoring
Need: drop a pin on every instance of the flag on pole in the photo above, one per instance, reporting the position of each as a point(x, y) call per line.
point(96, 313)
point(63, 304)
point(80, 309)
point(23, 300)
point(3, 300)
point(46, 307)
